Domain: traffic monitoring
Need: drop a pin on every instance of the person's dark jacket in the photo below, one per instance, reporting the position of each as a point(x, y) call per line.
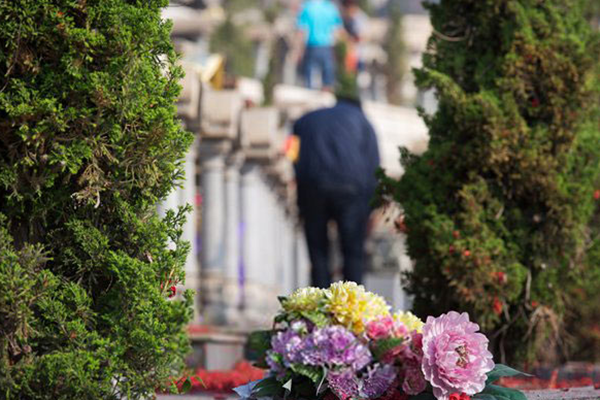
point(338, 147)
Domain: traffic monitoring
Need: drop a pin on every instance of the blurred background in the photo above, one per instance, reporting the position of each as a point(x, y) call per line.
point(243, 90)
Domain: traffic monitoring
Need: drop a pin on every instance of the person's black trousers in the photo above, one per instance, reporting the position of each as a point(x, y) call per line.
point(349, 207)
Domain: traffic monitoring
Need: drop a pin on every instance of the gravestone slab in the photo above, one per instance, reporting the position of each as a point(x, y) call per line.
point(585, 393)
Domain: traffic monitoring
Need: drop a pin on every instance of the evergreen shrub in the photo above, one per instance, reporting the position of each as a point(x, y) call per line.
point(89, 144)
point(501, 212)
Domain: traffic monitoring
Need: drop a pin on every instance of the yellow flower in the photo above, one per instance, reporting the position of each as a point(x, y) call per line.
point(352, 306)
point(304, 299)
point(411, 321)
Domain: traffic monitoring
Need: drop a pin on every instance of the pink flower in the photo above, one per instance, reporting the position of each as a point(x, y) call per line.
point(456, 357)
point(400, 330)
point(380, 328)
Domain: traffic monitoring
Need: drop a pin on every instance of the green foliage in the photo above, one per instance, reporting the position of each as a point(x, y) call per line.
point(318, 318)
point(271, 78)
point(394, 47)
point(501, 370)
point(268, 387)
point(230, 40)
point(500, 211)
point(259, 342)
point(346, 85)
point(89, 144)
point(315, 374)
point(494, 392)
point(237, 6)
point(383, 346)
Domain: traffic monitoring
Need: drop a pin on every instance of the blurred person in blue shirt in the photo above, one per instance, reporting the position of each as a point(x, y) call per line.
point(319, 22)
point(335, 176)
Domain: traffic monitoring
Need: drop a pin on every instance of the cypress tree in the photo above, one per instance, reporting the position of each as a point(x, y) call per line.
point(89, 144)
point(500, 211)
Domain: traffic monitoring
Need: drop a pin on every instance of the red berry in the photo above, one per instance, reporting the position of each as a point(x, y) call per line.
point(451, 249)
point(597, 195)
point(497, 306)
point(400, 224)
point(534, 304)
point(173, 291)
point(467, 253)
point(456, 234)
point(501, 276)
point(454, 396)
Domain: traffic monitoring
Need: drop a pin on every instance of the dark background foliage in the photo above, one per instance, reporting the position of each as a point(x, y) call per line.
point(501, 216)
point(89, 144)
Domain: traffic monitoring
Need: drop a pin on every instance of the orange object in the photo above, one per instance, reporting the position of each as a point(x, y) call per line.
point(291, 148)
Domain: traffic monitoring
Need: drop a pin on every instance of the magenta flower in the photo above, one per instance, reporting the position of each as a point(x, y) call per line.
point(455, 355)
point(380, 328)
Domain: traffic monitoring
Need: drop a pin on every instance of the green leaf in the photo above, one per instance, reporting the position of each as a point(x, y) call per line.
point(312, 373)
point(304, 388)
point(382, 346)
point(320, 385)
point(501, 370)
point(316, 317)
point(280, 318)
point(200, 380)
point(268, 387)
point(503, 393)
point(486, 396)
point(259, 342)
point(187, 386)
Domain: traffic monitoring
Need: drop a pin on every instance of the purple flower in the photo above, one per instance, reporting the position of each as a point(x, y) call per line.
point(343, 383)
point(377, 380)
point(334, 346)
point(289, 344)
point(456, 358)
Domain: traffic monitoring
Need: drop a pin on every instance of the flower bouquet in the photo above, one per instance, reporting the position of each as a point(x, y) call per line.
point(342, 343)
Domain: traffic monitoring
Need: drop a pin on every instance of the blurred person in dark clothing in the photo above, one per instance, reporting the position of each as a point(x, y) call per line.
point(355, 25)
point(335, 174)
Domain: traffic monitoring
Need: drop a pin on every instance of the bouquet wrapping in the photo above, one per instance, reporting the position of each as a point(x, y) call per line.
point(343, 343)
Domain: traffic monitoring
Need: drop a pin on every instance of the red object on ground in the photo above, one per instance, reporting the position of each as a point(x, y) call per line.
point(225, 381)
